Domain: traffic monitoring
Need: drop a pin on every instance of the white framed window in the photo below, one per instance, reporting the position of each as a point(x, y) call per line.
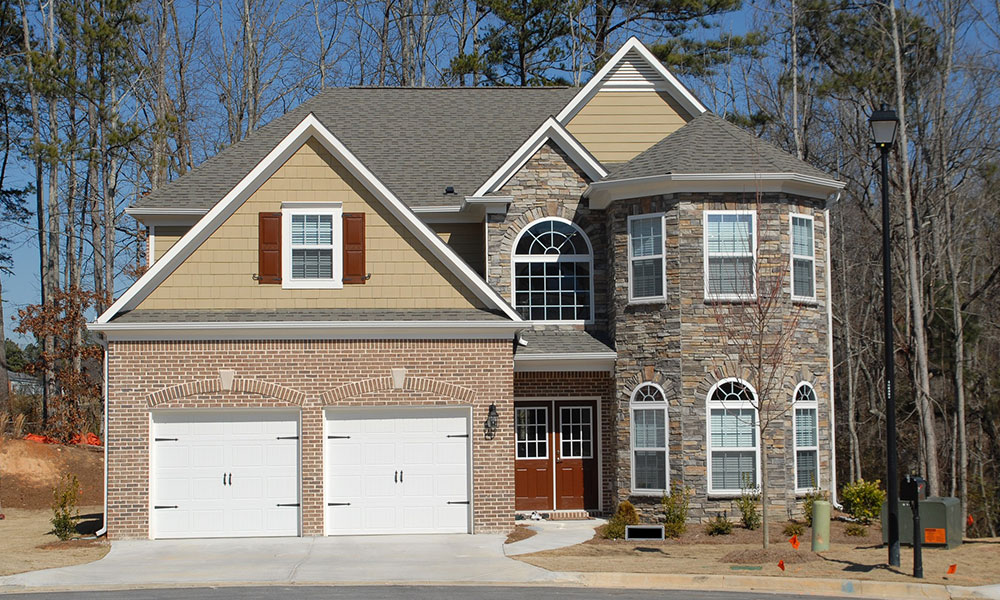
point(806, 438)
point(730, 254)
point(551, 272)
point(312, 245)
point(531, 430)
point(733, 444)
point(646, 272)
point(803, 258)
point(576, 432)
point(650, 450)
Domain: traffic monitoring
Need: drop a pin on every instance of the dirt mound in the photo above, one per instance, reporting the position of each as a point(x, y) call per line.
point(29, 471)
point(759, 556)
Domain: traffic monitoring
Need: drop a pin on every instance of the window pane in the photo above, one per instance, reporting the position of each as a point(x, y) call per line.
point(650, 469)
point(650, 430)
point(730, 275)
point(647, 278)
point(733, 470)
point(805, 427)
point(730, 232)
point(566, 285)
point(647, 237)
point(312, 264)
point(733, 428)
point(807, 475)
point(312, 229)
point(802, 237)
point(802, 272)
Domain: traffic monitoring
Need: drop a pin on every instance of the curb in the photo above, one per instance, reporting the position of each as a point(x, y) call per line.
point(845, 588)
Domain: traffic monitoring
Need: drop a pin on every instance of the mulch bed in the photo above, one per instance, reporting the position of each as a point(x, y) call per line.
point(521, 532)
point(695, 534)
point(69, 544)
point(759, 556)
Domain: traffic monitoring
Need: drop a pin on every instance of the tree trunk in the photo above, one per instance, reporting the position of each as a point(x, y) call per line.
point(4, 380)
point(765, 497)
point(852, 411)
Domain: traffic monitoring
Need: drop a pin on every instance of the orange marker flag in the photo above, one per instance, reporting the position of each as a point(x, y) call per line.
point(952, 569)
point(794, 542)
point(781, 565)
point(969, 521)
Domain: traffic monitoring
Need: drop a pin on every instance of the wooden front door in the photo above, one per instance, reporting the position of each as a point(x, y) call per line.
point(556, 455)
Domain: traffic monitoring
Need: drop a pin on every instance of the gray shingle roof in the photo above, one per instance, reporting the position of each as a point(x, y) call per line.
point(417, 141)
point(305, 315)
point(710, 144)
point(560, 342)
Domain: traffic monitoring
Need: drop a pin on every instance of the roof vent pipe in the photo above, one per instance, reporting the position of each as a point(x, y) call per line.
point(449, 190)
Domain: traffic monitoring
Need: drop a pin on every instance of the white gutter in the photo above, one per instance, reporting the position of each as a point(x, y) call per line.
point(166, 212)
point(104, 518)
point(566, 361)
point(829, 336)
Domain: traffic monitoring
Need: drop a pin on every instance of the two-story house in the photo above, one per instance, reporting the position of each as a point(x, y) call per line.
point(424, 310)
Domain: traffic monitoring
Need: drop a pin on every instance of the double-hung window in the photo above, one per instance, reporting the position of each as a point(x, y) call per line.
point(733, 444)
point(730, 254)
point(650, 462)
point(803, 258)
point(312, 245)
point(806, 439)
point(645, 258)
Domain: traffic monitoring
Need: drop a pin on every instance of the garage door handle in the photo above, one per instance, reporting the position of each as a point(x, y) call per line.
point(165, 506)
point(395, 476)
point(400, 477)
point(338, 503)
point(458, 502)
point(230, 479)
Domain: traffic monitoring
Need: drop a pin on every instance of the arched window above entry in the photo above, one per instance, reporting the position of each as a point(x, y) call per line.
point(552, 272)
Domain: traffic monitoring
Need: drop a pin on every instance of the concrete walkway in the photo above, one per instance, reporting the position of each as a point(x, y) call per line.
point(554, 534)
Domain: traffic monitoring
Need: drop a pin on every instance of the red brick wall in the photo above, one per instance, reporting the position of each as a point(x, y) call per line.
point(575, 385)
point(310, 374)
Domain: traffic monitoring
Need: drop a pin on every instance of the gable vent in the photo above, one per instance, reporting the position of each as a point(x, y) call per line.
point(633, 73)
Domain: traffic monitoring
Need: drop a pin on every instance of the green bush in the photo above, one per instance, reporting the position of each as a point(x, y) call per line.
point(624, 516)
point(747, 505)
point(675, 510)
point(793, 528)
point(720, 525)
point(64, 511)
point(807, 504)
point(856, 530)
point(863, 500)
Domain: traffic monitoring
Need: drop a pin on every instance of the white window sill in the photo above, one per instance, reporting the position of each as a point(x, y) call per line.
point(726, 299)
point(723, 495)
point(642, 301)
point(806, 492)
point(805, 301)
point(311, 284)
point(649, 493)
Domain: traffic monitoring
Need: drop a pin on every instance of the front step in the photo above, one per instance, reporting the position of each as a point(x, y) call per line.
point(555, 515)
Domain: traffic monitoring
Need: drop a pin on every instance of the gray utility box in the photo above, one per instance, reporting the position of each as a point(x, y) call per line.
point(940, 518)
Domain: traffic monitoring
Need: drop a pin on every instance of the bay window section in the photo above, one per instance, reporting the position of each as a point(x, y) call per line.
point(732, 439)
point(803, 259)
point(646, 269)
point(806, 439)
point(730, 255)
point(650, 463)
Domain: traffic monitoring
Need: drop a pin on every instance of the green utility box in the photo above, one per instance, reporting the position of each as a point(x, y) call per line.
point(940, 518)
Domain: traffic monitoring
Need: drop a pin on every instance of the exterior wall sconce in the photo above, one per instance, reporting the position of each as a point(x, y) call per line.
point(491, 423)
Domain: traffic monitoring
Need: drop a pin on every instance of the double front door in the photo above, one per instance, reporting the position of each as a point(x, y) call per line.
point(556, 455)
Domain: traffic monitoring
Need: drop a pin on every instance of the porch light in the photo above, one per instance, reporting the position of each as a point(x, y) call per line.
point(492, 421)
point(884, 123)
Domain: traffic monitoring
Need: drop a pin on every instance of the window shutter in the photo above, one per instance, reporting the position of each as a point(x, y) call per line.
point(354, 248)
point(269, 247)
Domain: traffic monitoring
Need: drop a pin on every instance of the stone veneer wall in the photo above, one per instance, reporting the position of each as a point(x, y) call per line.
point(678, 343)
point(309, 375)
point(548, 185)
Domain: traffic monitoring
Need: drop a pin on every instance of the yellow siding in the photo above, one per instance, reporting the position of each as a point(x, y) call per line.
point(616, 126)
point(466, 239)
point(218, 275)
point(165, 236)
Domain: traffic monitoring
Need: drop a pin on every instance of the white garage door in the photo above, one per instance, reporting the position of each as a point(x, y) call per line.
point(397, 471)
point(225, 473)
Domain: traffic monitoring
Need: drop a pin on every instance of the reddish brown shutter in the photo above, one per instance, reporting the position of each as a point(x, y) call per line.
point(269, 247)
point(354, 248)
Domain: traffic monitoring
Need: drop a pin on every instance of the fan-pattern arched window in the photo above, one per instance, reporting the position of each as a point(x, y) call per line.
point(650, 463)
point(552, 266)
point(806, 438)
point(732, 437)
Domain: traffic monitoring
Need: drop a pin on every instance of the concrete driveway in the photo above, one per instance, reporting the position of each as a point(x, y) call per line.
point(367, 559)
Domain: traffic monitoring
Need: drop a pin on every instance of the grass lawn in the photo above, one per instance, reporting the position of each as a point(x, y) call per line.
point(741, 553)
point(27, 545)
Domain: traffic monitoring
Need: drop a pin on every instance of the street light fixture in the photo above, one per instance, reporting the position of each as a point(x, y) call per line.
point(884, 123)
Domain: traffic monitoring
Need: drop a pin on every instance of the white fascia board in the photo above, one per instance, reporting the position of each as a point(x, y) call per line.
point(306, 330)
point(553, 130)
point(309, 127)
point(603, 193)
point(163, 216)
point(569, 361)
point(675, 88)
point(138, 210)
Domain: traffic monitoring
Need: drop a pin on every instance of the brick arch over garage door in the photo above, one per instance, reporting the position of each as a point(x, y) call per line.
point(210, 386)
point(411, 384)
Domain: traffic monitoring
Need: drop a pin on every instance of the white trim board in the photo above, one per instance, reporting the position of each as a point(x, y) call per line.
point(566, 362)
point(671, 85)
point(553, 130)
point(309, 127)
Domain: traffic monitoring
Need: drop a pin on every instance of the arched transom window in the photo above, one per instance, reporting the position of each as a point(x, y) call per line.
point(650, 460)
point(552, 267)
point(732, 438)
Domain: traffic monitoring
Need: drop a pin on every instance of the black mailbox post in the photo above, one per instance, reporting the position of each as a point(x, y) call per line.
point(913, 489)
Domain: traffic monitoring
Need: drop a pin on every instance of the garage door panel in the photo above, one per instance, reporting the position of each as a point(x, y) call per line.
point(247, 456)
point(379, 454)
point(418, 453)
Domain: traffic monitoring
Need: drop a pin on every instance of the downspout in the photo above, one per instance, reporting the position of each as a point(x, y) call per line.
point(829, 337)
point(104, 519)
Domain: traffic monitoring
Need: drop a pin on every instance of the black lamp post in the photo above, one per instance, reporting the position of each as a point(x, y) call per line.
point(884, 123)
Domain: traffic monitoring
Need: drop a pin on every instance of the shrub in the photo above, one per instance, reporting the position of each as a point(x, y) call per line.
point(4, 420)
point(856, 530)
point(793, 528)
point(17, 430)
point(747, 505)
point(624, 516)
point(720, 525)
point(64, 510)
point(675, 510)
point(863, 500)
point(807, 504)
